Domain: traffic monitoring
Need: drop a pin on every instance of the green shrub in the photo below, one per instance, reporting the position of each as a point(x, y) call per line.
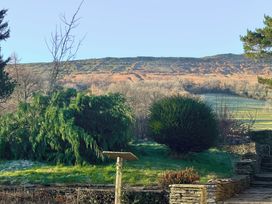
point(187, 176)
point(107, 118)
point(183, 124)
point(66, 127)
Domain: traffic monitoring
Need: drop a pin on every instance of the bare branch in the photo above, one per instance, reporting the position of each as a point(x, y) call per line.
point(27, 82)
point(63, 47)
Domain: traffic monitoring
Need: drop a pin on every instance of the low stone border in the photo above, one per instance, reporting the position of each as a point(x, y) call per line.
point(187, 193)
point(212, 193)
point(227, 188)
point(75, 194)
point(247, 167)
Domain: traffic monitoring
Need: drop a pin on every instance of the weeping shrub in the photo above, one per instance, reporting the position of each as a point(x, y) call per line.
point(183, 124)
point(66, 127)
point(107, 118)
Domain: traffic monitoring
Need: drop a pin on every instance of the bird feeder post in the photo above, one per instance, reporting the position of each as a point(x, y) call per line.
point(118, 182)
point(120, 157)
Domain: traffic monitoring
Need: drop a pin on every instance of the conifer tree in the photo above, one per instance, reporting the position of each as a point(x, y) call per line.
point(6, 83)
point(257, 44)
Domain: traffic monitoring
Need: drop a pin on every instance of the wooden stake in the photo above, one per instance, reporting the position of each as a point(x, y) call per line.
point(120, 157)
point(118, 182)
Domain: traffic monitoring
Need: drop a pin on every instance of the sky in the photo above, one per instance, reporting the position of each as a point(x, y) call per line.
point(129, 28)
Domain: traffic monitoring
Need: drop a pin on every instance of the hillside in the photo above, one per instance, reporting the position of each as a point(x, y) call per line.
point(224, 64)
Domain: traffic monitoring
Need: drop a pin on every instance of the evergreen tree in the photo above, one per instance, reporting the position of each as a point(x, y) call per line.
point(183, 124)
point(258, 45)
point(66, 127)
point(6, 83)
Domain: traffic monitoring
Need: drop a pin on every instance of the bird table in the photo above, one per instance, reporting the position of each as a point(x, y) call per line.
point(120, 157)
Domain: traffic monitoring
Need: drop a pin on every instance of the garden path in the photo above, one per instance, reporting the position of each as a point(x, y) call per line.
point(254, 195)
point(261, 187)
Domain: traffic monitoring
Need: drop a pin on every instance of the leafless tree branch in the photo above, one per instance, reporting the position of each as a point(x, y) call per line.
point(63, 47)
point(27, 82)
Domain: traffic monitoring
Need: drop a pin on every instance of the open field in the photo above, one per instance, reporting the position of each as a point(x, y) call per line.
point(243, 108)
point(153, 161)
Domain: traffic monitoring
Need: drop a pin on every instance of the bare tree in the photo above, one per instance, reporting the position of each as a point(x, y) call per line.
point(28, 82)
point(63, 47)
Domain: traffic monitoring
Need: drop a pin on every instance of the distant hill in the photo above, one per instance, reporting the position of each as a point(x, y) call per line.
point(219, 64)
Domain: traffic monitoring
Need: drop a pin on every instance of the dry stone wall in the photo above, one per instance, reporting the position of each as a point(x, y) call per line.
point(78, 195)
point(187, 193)
point(214, 192)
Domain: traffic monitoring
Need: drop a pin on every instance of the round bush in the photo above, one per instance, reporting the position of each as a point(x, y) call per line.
point(183, 124)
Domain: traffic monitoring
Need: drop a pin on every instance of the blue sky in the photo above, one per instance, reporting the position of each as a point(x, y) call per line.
point(127, 28)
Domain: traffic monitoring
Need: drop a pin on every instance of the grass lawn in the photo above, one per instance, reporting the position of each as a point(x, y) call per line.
point(153, 160)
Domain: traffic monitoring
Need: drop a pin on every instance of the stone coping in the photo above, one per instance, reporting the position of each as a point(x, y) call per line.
point(212, 182)
point(246, 160)
point(108, 187)
point(187, 185)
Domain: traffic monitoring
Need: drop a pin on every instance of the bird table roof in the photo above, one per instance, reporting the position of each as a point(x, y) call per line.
point(125, 155)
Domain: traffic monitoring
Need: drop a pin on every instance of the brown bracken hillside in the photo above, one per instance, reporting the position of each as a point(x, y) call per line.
point(224, 64)
point(226, 68)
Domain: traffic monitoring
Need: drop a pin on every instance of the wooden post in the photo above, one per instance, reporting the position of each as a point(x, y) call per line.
point(120, 157)
point(118, 182)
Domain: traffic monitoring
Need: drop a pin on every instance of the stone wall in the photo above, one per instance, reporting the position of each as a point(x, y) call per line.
point(247, 167)
point(212, 193)
point(250, 163)
point(187, 193)
point(79, 194)
point(227, 188)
